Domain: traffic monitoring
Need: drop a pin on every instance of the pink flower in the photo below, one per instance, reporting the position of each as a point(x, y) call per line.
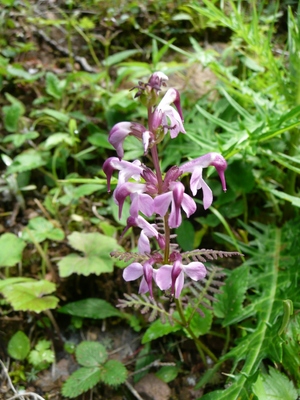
point(166, 116)
point(197, 182)
point(120, 131)
point(178, 199)
point(172, 276)
point(136, 270)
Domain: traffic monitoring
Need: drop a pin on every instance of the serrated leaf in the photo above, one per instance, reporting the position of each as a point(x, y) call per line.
point(54, 86)
point(90, 308)
point(19, 346)
point(41, 356)
point(11, 249)
point(157, 329)
point(96, 258)
point(80, 381)
point(91, 354)
point(30, 296)
point(229, 305)
point(274, 385)
point(113, 373)
point(290, 348)
point(40, 229)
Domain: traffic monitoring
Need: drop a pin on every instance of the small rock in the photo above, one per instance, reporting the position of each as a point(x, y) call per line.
point(150, 387)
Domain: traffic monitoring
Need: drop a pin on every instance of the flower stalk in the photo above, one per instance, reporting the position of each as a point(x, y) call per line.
point(161, 194)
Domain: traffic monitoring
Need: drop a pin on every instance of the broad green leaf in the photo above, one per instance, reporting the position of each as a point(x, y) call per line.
point(230, 301)
point(18, 139)
point(12, 281)
point(54, 87)
point(157, 329)
point(86, 23)
point(40, 229)
point(168, 373)
point(274, 386)
point(31, 296)
point(59, 116)
point(11, 249)
point(199, 325)
point(12, 115)
point(96, 258)
point(59, 139)
point(185, 235)
point(100, 140)
point(91, 354)
point(234, 181)
point(81, 381)
point(22, 74)
point(113, 373)
point(29, 159)
point(90, 308)
point(18, 346)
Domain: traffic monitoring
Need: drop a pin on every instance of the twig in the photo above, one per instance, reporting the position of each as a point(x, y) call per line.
point(17, 395)
point(133, 391)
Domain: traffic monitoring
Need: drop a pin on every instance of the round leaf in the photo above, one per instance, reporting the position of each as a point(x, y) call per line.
point(18, 346)
point(91, 354)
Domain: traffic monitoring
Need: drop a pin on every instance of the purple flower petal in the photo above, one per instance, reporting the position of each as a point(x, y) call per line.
point(120, 131)
point(133, 272)
point(163, 277)
point(195, 270)
point(162, 202)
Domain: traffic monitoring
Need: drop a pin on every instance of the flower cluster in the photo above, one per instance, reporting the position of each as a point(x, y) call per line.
point(153, 193)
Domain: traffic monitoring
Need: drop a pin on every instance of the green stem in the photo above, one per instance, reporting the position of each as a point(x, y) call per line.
point(43, 256)
point(201, 347)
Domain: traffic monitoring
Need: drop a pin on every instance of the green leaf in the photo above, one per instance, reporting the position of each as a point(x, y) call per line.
point(157, 329)
point(59, 139)
point(185, 235)
point(41, 356)
point(113, 373)
point(30, 296)
point(90, 308)
point(59, 116)
point(91, 354)
point(29, 159)
point(274, 385)
point(168, 373)
point(40, 229)
point(11, 249)
point(234, 181)
point(19, 346)
point(118, 57)
point(81, 381)
point(199, 325)
point(290, 348)
point(12, 115)
point(229, 305)
point(96, 258)
point(54, 87)
point(18, 139)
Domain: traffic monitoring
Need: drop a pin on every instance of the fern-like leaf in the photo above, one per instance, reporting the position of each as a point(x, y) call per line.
point(204, 255)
